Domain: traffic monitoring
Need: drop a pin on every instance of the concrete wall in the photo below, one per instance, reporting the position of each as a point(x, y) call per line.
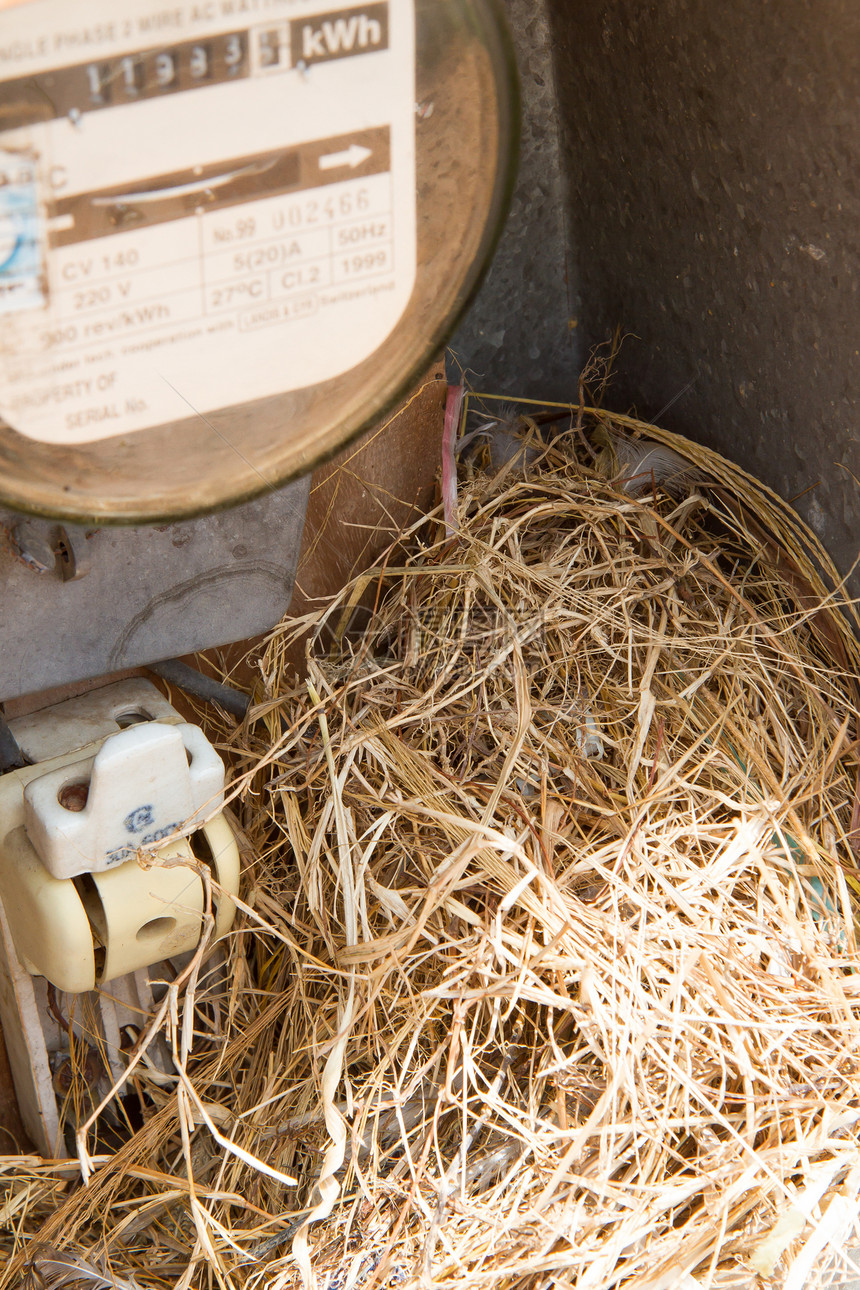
point(702, 195)
point(517, 338)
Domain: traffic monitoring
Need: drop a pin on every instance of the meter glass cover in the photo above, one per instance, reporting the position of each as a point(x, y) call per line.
point(231, 231)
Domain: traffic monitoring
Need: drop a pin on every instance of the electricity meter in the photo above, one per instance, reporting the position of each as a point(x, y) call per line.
point(231, 233)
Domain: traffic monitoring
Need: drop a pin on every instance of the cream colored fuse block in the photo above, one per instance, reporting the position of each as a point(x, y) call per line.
point(143, 785)
point(106, 839)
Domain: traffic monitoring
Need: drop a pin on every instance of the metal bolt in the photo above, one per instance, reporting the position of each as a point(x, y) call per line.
point(73, 551)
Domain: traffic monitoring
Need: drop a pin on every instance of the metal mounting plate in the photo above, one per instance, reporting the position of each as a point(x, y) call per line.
point(124, 597)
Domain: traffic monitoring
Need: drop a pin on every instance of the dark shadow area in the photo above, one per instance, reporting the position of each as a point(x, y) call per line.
point(713, 201)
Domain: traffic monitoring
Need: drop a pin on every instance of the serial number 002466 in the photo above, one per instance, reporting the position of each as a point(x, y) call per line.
point(297, 214)
point(315, 210)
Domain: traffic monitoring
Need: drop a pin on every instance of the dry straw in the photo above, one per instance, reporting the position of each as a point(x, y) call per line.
point(546, 973)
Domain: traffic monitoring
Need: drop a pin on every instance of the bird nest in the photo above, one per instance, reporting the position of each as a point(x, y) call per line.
point(546, 971)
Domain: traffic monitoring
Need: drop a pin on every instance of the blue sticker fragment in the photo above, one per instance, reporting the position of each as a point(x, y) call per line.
point(22, 271)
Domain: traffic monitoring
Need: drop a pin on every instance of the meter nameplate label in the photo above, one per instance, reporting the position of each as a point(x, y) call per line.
point(203, 204)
